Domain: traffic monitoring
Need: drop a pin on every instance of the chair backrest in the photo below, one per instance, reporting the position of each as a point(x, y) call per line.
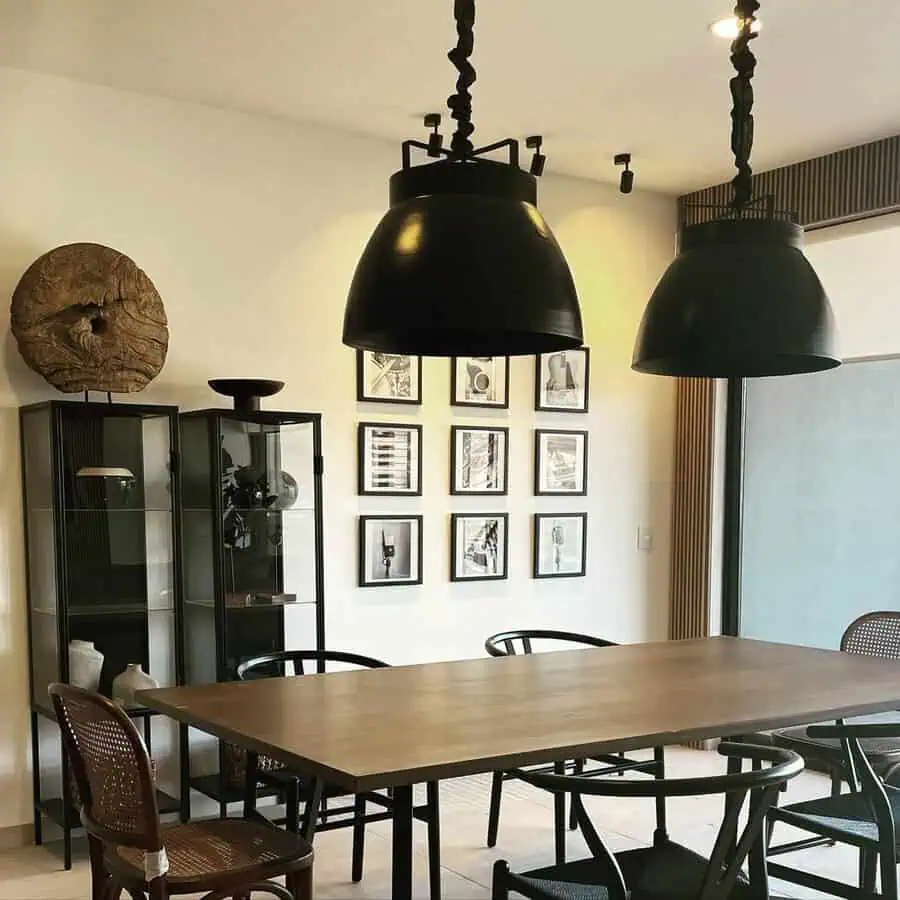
point(874, 634)
point(294, 662)
point(510, 643)
point(111, 767)
point(757, 789)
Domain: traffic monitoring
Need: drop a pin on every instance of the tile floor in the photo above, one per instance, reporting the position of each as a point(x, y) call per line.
point(525, 840)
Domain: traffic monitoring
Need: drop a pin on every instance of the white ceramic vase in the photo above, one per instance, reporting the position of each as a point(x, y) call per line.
point(134, 678)
point(85, 664)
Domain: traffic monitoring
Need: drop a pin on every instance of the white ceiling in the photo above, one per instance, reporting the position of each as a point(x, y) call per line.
point(595, 77)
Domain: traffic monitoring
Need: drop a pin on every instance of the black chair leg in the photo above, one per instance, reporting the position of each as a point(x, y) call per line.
point(868, 866)
point(577, 770)
point(434, 839)
point(499, 887)
point(494, 812)
point(887, 864)
point(661, 835)
point(359, 837)
point(292, 811)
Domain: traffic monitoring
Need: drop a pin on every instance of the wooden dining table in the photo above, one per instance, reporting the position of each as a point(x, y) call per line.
point(397, 727)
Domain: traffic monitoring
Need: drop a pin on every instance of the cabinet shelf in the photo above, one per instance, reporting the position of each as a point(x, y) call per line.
point(211, 786)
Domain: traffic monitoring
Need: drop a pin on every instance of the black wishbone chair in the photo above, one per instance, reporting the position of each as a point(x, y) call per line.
point(513, 643)
point(665, 871)
point(865, 818)
point(312, 793)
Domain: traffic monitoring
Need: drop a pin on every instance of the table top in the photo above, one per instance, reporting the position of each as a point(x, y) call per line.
point(367, 729)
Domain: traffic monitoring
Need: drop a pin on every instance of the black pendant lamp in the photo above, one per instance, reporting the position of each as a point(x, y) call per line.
point(463, 263)
point(740, 299)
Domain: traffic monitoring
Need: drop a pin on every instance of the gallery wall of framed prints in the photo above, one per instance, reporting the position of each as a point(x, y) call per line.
point(391, 463)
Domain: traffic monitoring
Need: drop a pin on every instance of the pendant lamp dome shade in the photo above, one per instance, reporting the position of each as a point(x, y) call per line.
point(463, 263)
point(739, 300)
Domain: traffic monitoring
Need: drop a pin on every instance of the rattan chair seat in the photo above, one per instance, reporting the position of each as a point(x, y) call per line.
point(666, 872)
point(883, 753)
point(202, 855)
point(847, 817)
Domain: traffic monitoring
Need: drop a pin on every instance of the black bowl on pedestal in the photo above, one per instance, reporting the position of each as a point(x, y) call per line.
point(246, 392)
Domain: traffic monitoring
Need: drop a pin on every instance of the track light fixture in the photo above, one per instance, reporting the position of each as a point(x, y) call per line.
point(463, 263)
point(435, 139)
point(537, 161)
point(626, 181)
point(740, 299)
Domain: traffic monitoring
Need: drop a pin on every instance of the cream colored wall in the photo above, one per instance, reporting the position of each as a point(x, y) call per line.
point(250, 229)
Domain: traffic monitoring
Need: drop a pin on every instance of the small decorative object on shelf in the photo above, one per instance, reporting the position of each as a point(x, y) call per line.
point(112, 480)
point(388, 378)
point(560, 545)
point(390, 550)
point(134, 678)
point(479, 546)
point(479, 460)
point(479, 381)
point(560, 462)
point(87, 318)
point(561, 381)
point(389, 459)
point(246, 392)
point(85, 665)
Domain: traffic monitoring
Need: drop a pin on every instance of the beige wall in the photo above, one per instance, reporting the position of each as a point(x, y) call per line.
point(250, 229)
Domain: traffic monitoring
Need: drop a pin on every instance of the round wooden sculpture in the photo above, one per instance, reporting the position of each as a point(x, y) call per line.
point(88, 319)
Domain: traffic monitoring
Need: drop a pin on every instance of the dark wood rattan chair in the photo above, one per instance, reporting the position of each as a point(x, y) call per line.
point(665, 871)
point(873, 634)
point(131, 851)
point(511, 643)
point(313, 794)
point(865, 818)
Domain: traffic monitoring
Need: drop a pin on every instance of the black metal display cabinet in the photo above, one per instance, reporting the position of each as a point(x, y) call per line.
point(252, 533)
point(102, 529)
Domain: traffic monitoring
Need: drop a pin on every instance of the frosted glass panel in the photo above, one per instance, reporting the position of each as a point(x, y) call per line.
point(821, 525)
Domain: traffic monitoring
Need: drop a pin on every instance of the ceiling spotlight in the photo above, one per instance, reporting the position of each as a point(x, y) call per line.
point(730, 27)
point(435, 139)
point(537, 161)
point(626, 182)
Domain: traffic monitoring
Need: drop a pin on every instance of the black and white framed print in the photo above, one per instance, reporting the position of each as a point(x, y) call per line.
point(390, 459)
point(388, 377)
point(560, 462)
point(562, 380)
point(480, 381)
point(560, 545)
point(478, 546)
point(479, 462)
point(390, 550)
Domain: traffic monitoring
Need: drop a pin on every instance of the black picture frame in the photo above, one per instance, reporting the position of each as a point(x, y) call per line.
point(579, 468)
point(459, 386)
point(538, 549)
point(363, 392)
point(456, 521)
point(456, 488)
point(414, 552)
point(414, 470)
point(583, 371)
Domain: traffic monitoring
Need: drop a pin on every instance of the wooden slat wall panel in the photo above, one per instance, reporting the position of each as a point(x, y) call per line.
point(855, 183)
point(692, 508)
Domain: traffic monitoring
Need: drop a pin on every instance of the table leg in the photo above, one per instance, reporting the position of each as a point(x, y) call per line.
point(401, 876)
point(559, 818)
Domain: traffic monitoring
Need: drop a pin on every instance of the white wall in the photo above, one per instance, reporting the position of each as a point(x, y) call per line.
point(250, 229)
point(857, 264)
